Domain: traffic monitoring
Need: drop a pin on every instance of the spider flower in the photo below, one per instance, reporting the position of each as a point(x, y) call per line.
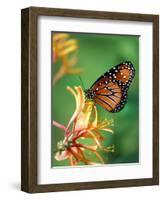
point(64, 49)
point(83, 124)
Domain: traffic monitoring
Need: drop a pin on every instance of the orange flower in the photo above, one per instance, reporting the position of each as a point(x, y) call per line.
point(64, 49)
point(84, 124)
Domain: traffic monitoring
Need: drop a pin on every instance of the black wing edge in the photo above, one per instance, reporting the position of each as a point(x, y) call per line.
point(129, 63)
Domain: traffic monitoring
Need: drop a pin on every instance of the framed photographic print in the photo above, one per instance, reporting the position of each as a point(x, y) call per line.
point(90, 99)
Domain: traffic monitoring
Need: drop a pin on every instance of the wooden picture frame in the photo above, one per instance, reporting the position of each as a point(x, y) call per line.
point(29, 112)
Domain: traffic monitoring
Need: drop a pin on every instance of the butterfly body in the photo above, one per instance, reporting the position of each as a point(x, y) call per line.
point(110, 89)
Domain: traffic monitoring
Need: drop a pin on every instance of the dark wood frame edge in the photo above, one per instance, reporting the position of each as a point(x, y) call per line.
point(29, 99)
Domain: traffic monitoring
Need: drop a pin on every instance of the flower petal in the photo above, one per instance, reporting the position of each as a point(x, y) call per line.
point(89, 147)
point(80, 100)
point(94, 123)
point(62, 155)
point(60, 36)
point(107, 129)
point(59, 125)
point(72, 160)
point(95, 138)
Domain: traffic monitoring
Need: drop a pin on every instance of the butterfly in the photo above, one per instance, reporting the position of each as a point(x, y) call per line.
point(110, 90)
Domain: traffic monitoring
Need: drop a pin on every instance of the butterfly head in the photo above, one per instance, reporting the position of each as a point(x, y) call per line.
point(89, 93)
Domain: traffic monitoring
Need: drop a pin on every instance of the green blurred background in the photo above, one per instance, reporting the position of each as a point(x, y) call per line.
point(96, 54)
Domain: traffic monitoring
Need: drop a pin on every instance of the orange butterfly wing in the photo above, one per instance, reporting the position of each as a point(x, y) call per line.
point(110, 90)
point(106, 93)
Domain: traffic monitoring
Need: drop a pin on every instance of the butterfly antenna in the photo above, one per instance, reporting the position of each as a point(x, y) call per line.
point(81, 82)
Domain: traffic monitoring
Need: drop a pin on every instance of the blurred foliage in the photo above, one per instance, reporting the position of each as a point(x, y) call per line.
point(96, 54)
